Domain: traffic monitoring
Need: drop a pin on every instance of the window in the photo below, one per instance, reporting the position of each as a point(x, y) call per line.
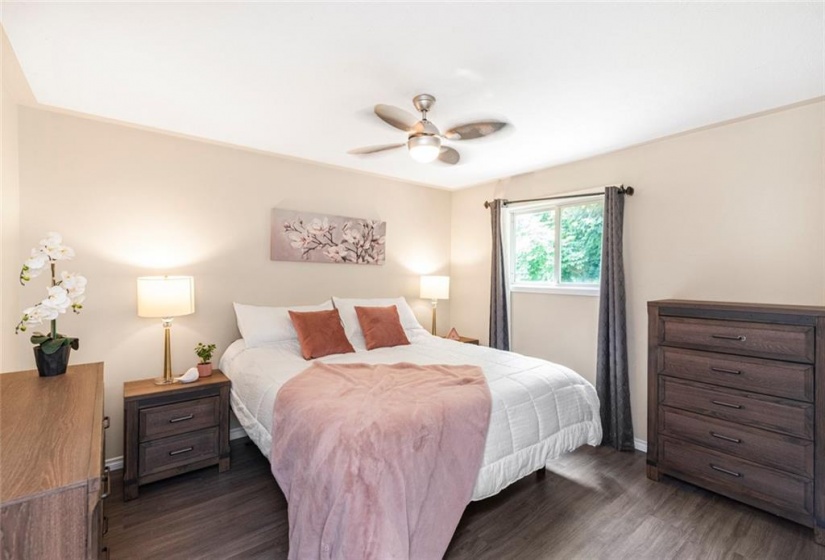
point(556, 247)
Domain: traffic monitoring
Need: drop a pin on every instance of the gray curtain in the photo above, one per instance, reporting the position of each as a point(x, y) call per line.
point(611, 365)
point(499, 324)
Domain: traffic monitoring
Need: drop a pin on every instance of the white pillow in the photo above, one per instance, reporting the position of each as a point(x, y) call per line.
point(352, 328)
point(261, 325)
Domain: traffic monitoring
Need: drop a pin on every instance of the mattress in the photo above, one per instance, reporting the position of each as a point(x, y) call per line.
point(540, 409)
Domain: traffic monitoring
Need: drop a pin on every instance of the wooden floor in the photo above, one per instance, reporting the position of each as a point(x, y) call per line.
point(593, 504)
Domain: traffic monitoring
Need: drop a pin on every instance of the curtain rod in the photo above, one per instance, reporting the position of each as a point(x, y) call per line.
point(622, 190)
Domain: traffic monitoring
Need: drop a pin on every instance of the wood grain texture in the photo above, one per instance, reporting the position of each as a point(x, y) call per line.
point(51, 463)
point(768, 448)
point(142, 388)
point(740, 403)
point(768, 377)
point(770, 413)
point(45, 420)
point(173, 429)
point(179, 418)
point(766, 340)
point(593, 504)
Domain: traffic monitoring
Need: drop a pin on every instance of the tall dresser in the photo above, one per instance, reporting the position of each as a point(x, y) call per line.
point(51, 460)
point(736, 403)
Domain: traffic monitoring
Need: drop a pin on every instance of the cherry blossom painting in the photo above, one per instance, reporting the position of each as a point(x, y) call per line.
point(303, 236)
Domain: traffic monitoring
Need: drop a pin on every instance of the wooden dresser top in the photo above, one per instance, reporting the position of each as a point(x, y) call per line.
point(51, 431)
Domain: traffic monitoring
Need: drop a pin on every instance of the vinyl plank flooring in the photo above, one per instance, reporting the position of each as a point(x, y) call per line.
point(593, 504)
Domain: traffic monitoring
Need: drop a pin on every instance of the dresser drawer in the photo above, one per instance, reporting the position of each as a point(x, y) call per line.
point(179, 418)
point(737, 477)
point(162, 454)
point(760, 446)
point(783, 342)
point(771, 413)
point(781, 379)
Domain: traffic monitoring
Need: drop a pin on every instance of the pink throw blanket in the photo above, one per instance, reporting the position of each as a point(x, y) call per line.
point(378, 461)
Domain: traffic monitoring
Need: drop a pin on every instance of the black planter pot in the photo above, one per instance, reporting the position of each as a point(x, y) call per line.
point(49, 365)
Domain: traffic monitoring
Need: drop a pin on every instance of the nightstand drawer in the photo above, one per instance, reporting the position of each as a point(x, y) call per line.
point(781, 342)
point(179, 418)
point(167, 453)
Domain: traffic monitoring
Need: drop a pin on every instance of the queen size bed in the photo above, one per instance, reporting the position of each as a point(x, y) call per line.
point(540, 410)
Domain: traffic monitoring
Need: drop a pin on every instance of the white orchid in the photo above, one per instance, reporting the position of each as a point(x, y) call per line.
point(67, 292)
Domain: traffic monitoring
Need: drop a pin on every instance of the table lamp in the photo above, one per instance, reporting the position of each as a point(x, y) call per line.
point(165, 297)
point(435, 288)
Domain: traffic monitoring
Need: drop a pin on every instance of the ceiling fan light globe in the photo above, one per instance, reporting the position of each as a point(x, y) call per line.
point(424, 149)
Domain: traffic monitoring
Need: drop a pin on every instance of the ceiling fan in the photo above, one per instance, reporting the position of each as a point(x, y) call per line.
point(424, 141)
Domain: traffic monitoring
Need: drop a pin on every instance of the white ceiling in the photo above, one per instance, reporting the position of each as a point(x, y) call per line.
point(301, 79)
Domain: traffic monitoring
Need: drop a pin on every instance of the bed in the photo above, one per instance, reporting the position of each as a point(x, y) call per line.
point(540, 410)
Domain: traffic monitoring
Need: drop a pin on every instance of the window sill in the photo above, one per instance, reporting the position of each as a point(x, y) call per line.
point(557, 290)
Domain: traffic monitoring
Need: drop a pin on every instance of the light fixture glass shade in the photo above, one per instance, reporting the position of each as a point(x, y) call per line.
point(435, 287)
point(165, 296)
point(424, 148)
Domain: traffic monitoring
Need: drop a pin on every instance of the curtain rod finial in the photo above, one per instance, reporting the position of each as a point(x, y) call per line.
point(628, 190)
point(486, 203)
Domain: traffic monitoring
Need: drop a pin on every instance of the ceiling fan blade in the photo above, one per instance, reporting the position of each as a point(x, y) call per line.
point(373, 149)
point(448, 156)
point(474, 130)
point(393, 116)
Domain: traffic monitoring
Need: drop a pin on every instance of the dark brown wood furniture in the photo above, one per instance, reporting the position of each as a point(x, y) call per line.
point(466, 340)
point(172, 429)
point(51, 460)
point(736, 396)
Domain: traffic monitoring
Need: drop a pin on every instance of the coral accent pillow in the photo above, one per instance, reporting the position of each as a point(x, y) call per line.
point(320, 333)
point(381, 326)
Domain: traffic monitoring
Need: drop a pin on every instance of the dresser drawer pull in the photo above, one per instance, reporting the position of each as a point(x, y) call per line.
point(181, 418)
point(105, 552)
point(726, 438)
point(107, 483)
point(105, 525)
point(723, 370)
point(727, 404)
point(179, 451)
point(740, 338)
point(106, 422)
point(726, 471)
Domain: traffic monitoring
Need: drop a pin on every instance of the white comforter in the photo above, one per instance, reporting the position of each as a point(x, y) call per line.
point(540, 409)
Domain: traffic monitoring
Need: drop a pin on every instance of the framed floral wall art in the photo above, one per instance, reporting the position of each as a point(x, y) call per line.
point(308, 237)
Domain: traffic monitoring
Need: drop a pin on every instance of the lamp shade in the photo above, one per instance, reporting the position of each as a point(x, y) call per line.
point(435, 287)
point(165, 296)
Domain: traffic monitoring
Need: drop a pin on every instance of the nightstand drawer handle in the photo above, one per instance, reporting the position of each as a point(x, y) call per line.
point(723, 370)
point(106, 422)
point(179, 451)
point(181, 418)
point(726, 438)
point(740, 338)
point(107, 481)
point(726, 471)
point(727, 404)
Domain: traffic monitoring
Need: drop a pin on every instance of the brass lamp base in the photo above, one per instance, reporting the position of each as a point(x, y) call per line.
point(435, 304)
point(167, 354)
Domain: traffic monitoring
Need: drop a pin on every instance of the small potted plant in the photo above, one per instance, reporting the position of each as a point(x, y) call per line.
point(204, 352)
point(67, 291)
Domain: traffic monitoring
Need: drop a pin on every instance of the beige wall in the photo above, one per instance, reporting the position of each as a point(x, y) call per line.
point(734, 212)
point(13, 90)
point(134, 203)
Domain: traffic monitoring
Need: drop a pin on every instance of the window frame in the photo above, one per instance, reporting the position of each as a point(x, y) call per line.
point(567, 288)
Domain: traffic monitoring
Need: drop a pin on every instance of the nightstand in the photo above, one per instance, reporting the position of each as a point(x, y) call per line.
point(173, 429)
point(465, 340)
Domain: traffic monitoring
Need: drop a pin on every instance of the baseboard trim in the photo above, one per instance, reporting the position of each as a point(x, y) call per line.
point(116, 463)
point(640, 445)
